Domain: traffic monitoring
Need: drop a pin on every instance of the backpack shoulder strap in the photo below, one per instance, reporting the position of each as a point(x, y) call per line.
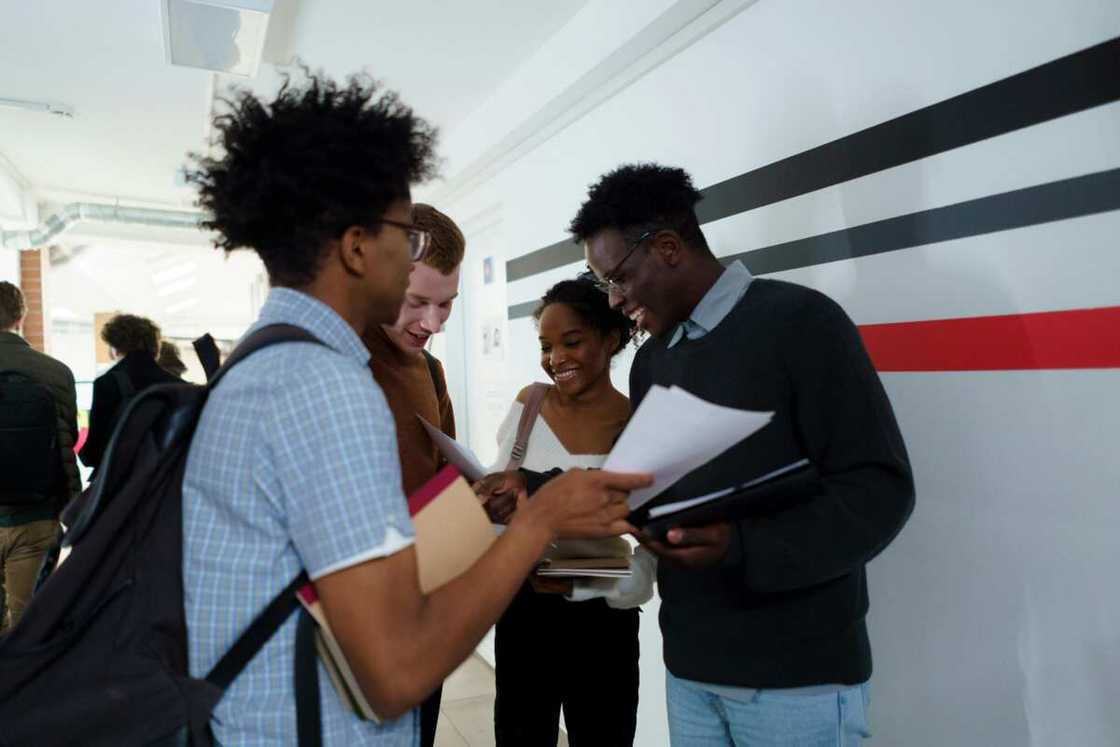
point(253, 638)
point(533, 402)
point(271, 334)
point(433, 369)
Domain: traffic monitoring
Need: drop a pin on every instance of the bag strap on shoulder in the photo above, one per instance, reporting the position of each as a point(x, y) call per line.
point(533, 401)
point(433, 369)
point(252, 640)
point(271, 334)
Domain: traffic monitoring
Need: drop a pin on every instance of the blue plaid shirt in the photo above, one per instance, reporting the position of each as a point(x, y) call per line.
point(294, 465)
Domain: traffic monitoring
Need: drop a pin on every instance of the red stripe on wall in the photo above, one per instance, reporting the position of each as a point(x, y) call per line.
point(1080, 338)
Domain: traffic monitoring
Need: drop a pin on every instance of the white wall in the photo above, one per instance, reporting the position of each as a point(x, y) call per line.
point(994, 616)
point(9, 265)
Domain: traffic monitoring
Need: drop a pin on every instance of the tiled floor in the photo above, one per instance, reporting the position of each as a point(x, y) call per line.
point(466, 717)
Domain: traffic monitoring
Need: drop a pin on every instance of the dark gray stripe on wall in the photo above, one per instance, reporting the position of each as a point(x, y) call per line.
point(1061, 200)
point(1068, 198)
point(549, 258)
point(519, 310)
point(1055, 89)
point(1065, 86)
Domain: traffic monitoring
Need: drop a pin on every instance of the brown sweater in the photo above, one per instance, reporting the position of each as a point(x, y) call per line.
point(410, 391)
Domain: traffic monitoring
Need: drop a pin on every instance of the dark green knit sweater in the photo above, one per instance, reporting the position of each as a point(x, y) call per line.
point(786, 608)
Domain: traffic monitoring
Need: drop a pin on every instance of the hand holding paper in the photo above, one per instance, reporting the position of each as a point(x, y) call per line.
point(586, 503)
point(673, 432)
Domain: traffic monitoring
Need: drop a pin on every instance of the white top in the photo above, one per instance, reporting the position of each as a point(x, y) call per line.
point(545, 452)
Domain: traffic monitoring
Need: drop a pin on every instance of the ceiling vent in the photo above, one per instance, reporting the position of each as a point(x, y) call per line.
point(226, 36)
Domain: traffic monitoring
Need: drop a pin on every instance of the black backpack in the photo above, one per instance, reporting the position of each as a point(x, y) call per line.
point(30, 461)
point(100, 655)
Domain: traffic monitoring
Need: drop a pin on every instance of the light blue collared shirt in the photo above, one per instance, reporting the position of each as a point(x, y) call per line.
point(716, 304)
point(294, 465)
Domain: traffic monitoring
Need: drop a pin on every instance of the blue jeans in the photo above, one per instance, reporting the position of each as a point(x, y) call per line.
point(769, 718)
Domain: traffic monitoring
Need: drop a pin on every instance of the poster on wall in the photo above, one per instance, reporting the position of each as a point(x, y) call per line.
point(493, 338)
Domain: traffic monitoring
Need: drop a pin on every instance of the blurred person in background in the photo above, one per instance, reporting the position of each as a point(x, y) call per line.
point(38, 472)
point(134, 344)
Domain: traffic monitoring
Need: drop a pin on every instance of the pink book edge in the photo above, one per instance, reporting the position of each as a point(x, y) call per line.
point(431, 489)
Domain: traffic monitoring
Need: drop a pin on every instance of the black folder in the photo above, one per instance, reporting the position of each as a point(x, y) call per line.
point(771, 493)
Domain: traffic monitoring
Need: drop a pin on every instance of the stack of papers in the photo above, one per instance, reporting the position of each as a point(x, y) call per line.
point(678, 506)
point(674, 432)
point(585, 568)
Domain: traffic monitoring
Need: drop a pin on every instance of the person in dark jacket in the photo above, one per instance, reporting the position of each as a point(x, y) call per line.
point(27, 531)
point(135, 341)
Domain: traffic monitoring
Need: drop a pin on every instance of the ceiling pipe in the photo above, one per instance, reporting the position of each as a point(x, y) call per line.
point(77, 212)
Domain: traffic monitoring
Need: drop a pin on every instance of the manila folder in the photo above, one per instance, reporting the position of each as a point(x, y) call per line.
point(452, 528)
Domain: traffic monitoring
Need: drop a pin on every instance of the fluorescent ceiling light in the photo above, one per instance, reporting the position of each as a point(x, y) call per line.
point(178, 286)
point(175, 272)
point(181, 306)
point(223, 35)
point(61, 110)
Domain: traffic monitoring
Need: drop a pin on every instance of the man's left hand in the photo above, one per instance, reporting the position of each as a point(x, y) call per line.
point(692, 547)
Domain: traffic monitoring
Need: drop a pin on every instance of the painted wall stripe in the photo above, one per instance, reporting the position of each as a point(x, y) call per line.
point(1070, 84)
point(520, 310)
point(1061, 200)
point(1074, 339)
point(1055, 89)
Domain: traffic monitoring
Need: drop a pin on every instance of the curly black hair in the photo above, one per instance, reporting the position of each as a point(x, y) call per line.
point(128, 333)
point(639, 197)
point(591, 304)
point(296, 172)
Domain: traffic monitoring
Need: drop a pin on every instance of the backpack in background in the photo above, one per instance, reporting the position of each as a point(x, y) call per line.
point(100, 655)
point(30, 461)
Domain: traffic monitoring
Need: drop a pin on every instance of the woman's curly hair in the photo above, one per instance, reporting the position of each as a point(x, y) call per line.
point(296, 172)
point(127, 333)
point(591, 304)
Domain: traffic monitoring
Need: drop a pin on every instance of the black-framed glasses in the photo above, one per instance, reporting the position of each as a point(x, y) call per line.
point(607, 283)
point(418, 238)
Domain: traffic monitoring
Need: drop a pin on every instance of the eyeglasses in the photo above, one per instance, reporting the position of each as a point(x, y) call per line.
point(607, 283)
point(418, 238)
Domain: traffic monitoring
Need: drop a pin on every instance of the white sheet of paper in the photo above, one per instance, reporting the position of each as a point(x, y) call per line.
point(457, 454)
point(673, 432)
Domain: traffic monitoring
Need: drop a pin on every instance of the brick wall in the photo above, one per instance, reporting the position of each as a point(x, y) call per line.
point(31, 283)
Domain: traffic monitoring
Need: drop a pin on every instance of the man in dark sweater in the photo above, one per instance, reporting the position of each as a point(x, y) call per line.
point(762, 619)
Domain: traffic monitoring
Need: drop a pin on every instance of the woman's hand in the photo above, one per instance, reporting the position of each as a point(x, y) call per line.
point(499, 494)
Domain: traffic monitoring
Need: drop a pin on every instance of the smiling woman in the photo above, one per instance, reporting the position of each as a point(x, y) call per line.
point(590, 665)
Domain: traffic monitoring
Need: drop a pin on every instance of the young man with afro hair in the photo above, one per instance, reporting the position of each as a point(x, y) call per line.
point(294, 464)
point(762, 619)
